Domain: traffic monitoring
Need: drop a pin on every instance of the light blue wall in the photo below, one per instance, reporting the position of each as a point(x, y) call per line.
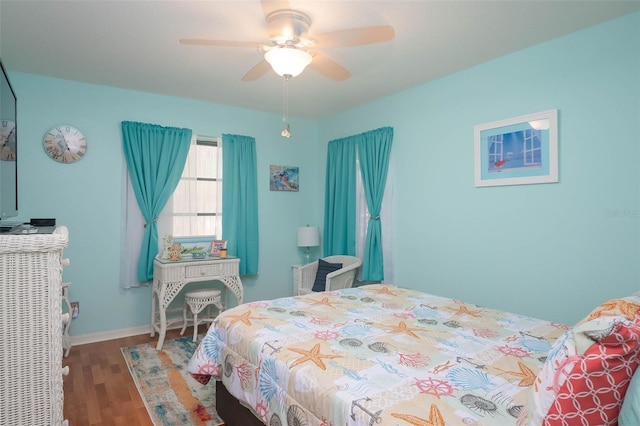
point(552, 251)
point(86, 196)
point(549, 251)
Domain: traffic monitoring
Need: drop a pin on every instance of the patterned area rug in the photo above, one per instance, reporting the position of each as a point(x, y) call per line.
point(171, 395)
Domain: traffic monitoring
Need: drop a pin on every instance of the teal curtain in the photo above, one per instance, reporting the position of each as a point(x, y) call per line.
point(240, 200)
point(340, 198)
point(155, 157)
point(374, 148)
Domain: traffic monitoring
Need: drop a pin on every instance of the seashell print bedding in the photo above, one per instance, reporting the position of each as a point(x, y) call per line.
point(376, 354)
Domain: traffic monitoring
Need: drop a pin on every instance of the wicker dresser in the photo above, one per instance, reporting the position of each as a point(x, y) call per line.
point(31, 321)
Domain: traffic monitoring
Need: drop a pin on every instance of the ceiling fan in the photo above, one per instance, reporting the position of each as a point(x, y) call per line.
point(291, 49)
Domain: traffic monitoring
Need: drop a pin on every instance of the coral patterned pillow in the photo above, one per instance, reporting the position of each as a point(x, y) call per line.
point(588, 369)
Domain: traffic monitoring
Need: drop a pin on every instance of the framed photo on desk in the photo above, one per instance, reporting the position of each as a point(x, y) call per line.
point(216, 247)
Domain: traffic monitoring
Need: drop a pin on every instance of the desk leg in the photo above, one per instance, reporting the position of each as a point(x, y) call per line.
point(163, 325)
point(234, 284)
point(167, 291)
point(153, 312)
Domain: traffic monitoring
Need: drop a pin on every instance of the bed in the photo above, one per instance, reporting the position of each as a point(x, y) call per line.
point(382, 354)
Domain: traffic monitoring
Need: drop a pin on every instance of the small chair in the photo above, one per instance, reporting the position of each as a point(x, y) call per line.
point(338, 279)
point(196, 301)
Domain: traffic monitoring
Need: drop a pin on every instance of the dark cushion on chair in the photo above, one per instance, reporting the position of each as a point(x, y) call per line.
point(324, 268)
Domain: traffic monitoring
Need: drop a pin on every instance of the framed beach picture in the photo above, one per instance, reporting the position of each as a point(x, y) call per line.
point(283, 178)
point(517, 151)
point(195, 247)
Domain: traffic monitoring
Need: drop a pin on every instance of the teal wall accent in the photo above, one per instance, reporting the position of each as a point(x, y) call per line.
point(86, 196)
point(552, 251)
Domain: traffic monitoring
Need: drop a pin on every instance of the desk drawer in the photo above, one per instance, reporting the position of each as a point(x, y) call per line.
point(204, 271)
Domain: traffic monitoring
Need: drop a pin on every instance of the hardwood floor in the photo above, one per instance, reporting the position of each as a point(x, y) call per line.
point(99, 389)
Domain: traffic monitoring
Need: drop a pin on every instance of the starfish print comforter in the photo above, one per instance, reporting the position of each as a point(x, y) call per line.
point(376, 354)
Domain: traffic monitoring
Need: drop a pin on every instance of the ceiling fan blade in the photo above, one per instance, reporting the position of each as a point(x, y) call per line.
point(260, 69)
point(221, 43)
point(355, 37)
point(328, 67)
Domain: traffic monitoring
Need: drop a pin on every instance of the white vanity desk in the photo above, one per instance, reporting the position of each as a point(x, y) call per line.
point(169, 277)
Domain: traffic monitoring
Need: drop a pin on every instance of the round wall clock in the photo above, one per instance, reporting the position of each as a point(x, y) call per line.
point(7, 140)
point(65, 144)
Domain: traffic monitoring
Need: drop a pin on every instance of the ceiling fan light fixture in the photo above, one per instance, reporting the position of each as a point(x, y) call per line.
point(287, 24)
point(287, 60)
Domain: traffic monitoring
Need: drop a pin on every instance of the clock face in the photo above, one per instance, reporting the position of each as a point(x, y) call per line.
point(7, 140)
point(65, 144)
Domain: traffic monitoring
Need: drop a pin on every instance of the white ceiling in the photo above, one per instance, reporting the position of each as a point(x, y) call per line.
point(135, 44)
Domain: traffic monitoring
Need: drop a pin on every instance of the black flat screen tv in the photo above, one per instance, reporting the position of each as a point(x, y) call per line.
point(8, 148)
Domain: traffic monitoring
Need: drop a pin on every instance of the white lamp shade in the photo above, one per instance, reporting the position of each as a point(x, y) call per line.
point(287, 60)
point(308, 236)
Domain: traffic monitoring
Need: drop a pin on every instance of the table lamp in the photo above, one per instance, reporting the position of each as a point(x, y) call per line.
point(308, 236)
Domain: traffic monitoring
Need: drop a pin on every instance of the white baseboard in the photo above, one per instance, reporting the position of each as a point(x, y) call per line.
point(114, 334)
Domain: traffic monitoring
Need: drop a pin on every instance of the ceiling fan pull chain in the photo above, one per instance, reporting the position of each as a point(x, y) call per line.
point(286, 97)
point(284, 100)
point(286, 133)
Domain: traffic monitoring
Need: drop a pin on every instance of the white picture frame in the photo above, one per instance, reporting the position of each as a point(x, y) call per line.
point(517, 151)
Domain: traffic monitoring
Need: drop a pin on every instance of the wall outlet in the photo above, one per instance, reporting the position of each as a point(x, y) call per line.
point(75, 309)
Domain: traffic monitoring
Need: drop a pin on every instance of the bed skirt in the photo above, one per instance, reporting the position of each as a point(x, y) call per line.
point(231, 411)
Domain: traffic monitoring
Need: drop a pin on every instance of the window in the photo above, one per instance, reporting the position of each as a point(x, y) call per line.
point(195, 208)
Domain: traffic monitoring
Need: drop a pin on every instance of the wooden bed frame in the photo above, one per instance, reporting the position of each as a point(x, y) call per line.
point(231, 411)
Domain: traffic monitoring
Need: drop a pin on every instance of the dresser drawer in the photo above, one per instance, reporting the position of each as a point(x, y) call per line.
point(204, 270)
